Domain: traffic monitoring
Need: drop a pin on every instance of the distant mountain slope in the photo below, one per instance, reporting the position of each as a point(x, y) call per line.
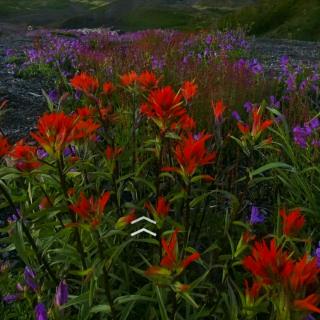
point(296, 19)
point(122, 14)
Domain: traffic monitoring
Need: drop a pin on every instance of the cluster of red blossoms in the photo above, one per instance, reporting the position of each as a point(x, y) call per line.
point(24, 156)
point(171, 265)
point(274, 269)
point(258, 125)
point(56, 130)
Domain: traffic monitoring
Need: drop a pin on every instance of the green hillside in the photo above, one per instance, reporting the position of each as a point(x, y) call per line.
point(120, 14)
point(296, 19)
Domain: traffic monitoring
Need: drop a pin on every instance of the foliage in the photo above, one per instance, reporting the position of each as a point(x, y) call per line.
point(204, 142)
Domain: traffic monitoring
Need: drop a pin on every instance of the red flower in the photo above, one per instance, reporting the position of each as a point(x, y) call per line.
point(25, 155)
point(4, 146)
point(170, 258)
point(243, 127)
point(171, 261)
point(259, 126)
point(125, 220)
point(108, 88)
point(84, 82)
point(55, 130)
point(305, 273)
point(113, 153)
point(84, 112)
point(164, 106)
point(293, 222)
point(148, 80)
point(90, 210)
point(218, 109)
point(309, 303)
point(191, 153)
point(271, 265)
point(189, 90)
point(162, 207)
point(253, 291)
point(129, 79)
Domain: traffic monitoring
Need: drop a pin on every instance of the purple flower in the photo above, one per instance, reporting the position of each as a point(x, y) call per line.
point(53, 96)
point(255, 66)
point(318, 255)
point(236, 115)
point(9, 298)
point(209, 39)
point(310, 317)
point(40, 312)
point(14, 217)
point(69, 151)
point(284, 60)
point(256, 216)
point(29, 278)
point(314, 123)
point(248, 106)
point(300, 136)
point(197, 136)
point(61, 296)
point(274, 102)
point(41, 153)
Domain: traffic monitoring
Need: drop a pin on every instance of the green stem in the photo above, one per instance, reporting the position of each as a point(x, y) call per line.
point(107, 288)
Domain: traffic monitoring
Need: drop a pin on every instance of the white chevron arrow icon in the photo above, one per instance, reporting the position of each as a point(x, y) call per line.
point(143, 229)
point(143, 218)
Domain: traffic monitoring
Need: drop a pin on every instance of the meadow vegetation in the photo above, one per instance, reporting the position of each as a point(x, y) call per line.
point(186, 129)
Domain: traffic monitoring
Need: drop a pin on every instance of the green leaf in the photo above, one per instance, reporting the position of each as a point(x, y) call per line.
point(270, 166)
point(162, 308)
point(105, 308)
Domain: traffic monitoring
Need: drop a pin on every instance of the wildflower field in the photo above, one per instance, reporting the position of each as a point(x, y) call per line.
point(188, 130)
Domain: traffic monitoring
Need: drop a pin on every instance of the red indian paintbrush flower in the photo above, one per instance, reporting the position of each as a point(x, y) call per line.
point(192, 153)
point(164, 107)
point(258, 126)
point(129, 79)
point(113, 152)
point(253, 291)
point(189, 90)
point(148, 80)
point(108, 88)
point(4, 146)
point(171, 260)
point(305, 273)
point(218, 109)
point(292, 222)
point(84, 82)
point(162, 207)
point(125, 220)
point(269, 264)
point(309, 303)
point(56, 130)
point(89, 209)
point(25, 156)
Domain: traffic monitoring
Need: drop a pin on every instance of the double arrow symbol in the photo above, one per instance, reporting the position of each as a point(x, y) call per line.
point(143, 229)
